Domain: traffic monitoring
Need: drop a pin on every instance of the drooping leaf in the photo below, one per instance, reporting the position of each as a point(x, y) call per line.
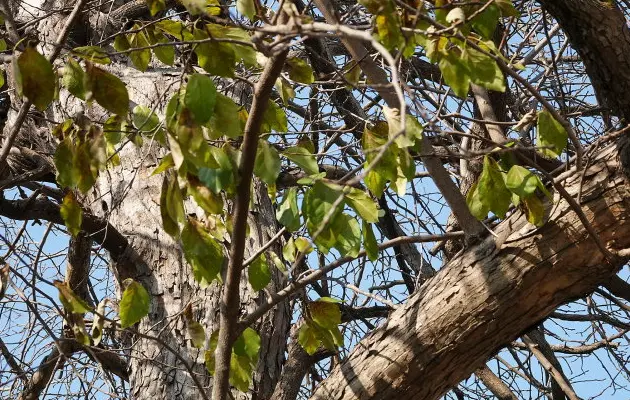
point(275, 119)
point(216, 58)
point(369, 242)
point(288, 213)
point(202, 252)
point(73, 78)
point(71, 213)
point(552, 137)
point(455, 74)
point(477, 207)
point(523, 182)
point(223, 120)
point(303, 158)
point(204, 197)
point(347, 234)
point(71, 302)
point(486, 22)
point(145, 119)
point(36, 79)
point(140, 58)
point(362, 204)
point(535, 210)
point(164, 52)
point(386, 168)
point(221, 178)
point(259, 273)
point(285, 90)
point(200, 98)
point(195, 7)
point(155, 6)
point(134, 304)
point(308, 339)
point(492, 190)
point(197, 334)
point(93, 54)
point(108, 90)
point(171, 205)
point(267, 164)
point(300, 71)
point(246, 8)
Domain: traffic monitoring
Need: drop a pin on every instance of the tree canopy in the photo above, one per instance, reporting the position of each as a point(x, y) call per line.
point(327, 199)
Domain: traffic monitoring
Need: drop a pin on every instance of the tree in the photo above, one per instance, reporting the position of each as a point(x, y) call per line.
point(380, 198)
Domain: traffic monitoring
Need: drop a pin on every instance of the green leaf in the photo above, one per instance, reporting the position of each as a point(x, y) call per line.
point(166, 52)
point(259, 273)
point(3, 44)
point(71, 302)
point(492, 190)
point(246, 8)
point(134, 304)
point(248, 345)
point(285, 90)
point(73, 78)
point(171, 205)
point(483, 70)
point(93, 54)
point(308, 338)
point(36, 79)
point(140, 58)
point(216, 58)
point(194, 7)
point(535, 210)
point(145, 119)
point(319, 200)
point(223, 120)
point(208, 201)
point(108, 90)
point(221, 178)
point(71, 213)
point(388, 27)
point(386, 169)
point(455, 74)
point(362, 204)
point(288, 213)
point(275, 119)
point(175, 28)
point(477, 207)
point(551, 134)
point(486, 22)
point(300, 71)
point(197, 334)
point(155, 6)
point(348, 235)
point(267, 164)
point(507, 8)
point(523, 182)
point(289, 250)
point(325, 313)
point(303, 158)
point(200, 98)
point(202, 252)
point(369, 242)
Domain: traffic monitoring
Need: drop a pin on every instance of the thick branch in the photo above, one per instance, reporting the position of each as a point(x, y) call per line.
point(487, 296)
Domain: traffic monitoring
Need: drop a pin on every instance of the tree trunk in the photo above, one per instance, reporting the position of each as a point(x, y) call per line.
point(132, 195)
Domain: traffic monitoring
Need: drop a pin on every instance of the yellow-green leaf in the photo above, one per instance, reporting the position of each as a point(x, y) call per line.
point(134, 304)
point(36, 79)
point(71, 213)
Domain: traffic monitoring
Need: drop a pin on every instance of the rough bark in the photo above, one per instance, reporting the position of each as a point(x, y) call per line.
point(155, 373)
point(490, 294)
